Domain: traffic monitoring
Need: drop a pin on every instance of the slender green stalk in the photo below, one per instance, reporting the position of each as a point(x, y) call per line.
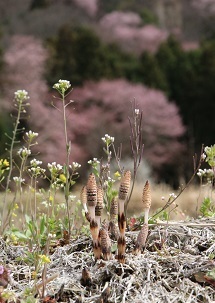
point(20, 97)
point(62, 86)
point(67, 174)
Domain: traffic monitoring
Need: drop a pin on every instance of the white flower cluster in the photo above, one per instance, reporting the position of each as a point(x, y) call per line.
point(31, 135)
point(21, 95)
point(108, 139)
point(24, 152)
point(208, 173)
point(62, 85)
point(35, 162)
point(18, 180)
point(36, 171)
point(55, 168)
point(75, 165)
point(173, 195)
point(203, 156)
point(94, 161)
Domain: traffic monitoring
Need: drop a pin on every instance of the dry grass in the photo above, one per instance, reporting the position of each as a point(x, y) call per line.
point(173, 268)
point(187, 203)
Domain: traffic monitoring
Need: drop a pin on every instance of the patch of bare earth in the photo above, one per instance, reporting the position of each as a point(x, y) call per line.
point(173, 268)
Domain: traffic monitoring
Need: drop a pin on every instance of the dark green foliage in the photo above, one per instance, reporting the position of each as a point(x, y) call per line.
point(150, 72)
point(187, 77)
point(39, 4)
point(78, 54)
point(190, 77)
point(148, 17)
point(5, 128)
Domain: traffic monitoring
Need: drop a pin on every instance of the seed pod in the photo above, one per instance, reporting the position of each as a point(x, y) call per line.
point(124, 185)
point(99, 204)
point(91, 195)
point(141, 239)
point(105, 244)
point(113, 209)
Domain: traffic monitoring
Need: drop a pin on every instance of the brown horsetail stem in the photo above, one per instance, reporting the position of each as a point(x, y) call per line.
point(146, 200)
point(141, 239)
point(123, 194)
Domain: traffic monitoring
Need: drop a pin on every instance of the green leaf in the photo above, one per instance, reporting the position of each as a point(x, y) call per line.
point(42, 225)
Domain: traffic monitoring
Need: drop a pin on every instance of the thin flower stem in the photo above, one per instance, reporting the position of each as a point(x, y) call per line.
point(67, 185)
point(13, 140)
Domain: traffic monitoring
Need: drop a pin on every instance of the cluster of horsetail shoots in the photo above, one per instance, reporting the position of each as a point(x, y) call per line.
point(92, 199)
point(123, 194)
point(142, 236)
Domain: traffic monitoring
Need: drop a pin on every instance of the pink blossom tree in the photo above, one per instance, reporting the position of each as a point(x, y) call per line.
point(98, 108)
point(125, 29)
point(25, 60)
point(89, 6)
point(112, 100)
point(204, 6)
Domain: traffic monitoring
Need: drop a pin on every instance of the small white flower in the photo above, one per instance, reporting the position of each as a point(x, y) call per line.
point(107, 139)
point(53, 166)
point(62, 86)
point(172, 195)
point(95, 161)
point(162, 198)
point(18, 180)
point(35, 162)
point(203, 156)
point(24, 152)
point(21, 95)
point(137, 111)
point(72, 197)
point(31, 135)
point(75, 165)
point(111, 180)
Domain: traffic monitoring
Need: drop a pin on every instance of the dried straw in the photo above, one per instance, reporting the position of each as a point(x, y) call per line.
point(172, 268)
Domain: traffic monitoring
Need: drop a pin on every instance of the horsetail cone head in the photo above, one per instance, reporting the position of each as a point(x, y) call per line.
point(91, 190)
point(99, 205)
point(141, 239)
point(124, 185)
point(105, 244)
point(83, 197)
point(146, 197)
point(113, 209)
